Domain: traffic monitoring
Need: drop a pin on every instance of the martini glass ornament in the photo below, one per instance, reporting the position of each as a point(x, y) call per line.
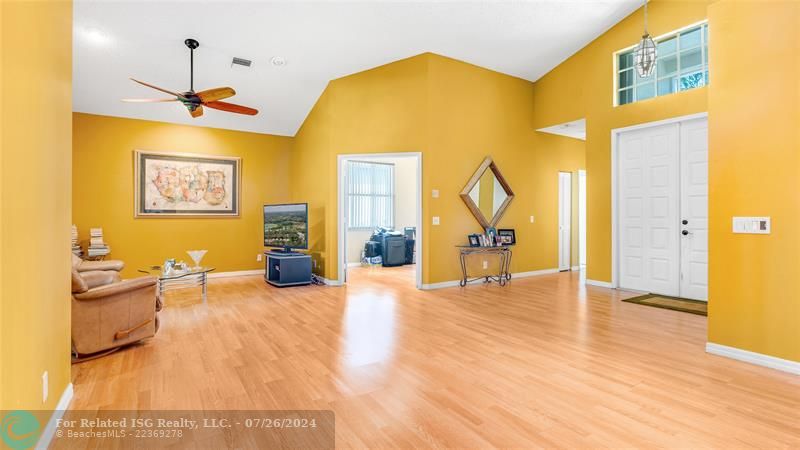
point(197, 256)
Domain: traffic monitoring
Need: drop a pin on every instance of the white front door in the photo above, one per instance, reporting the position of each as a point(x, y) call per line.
point(648, 207)
point(564, 219)
point(694, 209)
point(662, 220)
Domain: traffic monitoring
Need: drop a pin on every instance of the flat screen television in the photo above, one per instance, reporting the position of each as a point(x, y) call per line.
point(286, 226)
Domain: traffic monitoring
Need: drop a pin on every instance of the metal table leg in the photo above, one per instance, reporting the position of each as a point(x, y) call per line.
point(204, 284)
point(463, 281)
point(508, 264)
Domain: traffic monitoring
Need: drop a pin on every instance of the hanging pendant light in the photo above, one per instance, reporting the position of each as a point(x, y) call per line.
point(645, 54)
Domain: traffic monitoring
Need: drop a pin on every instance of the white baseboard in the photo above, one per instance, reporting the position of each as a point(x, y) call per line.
point(454, 283)
point(238, 273)
point(50, 429)
point(353, 264)
point(604, 284)
point(533, 273)
point(441, 285)
point(754, 358)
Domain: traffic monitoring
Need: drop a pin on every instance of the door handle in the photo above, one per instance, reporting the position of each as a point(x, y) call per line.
point(685, 232)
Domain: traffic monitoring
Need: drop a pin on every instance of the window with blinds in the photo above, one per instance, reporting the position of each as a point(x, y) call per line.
point(370, 193)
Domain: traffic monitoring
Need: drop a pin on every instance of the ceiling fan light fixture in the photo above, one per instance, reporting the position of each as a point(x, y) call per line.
point(194, 101)
point(278, 61)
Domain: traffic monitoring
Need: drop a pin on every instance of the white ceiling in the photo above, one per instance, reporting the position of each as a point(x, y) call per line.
point(321, 41)
point(575, 129)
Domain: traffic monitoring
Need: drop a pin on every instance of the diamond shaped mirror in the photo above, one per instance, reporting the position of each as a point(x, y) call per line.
point(487, 194)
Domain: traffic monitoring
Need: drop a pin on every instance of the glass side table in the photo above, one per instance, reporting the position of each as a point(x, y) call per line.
point(179, 279)
point(504, 271)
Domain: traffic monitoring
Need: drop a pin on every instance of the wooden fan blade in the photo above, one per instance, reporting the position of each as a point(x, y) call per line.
point(197, 112)
point(230, 107)
point(212, 95)
point(149, 100)
point(157, 88)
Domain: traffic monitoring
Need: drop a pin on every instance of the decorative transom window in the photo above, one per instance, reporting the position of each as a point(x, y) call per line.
point(370, 191)
point(681, 64)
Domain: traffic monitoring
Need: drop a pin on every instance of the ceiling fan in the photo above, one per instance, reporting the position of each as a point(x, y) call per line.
point(194, 101)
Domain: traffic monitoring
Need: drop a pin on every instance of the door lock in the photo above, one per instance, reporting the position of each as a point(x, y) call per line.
point(685, 232)
point(685, 222)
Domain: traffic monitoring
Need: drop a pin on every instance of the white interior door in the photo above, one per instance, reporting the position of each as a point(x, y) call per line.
point(648, 208)
point(564, 219)
point(694, 209)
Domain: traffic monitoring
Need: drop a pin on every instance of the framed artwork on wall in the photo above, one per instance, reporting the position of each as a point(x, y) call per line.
point(182, 184)
point(507, 236)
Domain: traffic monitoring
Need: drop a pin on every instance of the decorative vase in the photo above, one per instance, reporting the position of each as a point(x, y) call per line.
point(197, 256)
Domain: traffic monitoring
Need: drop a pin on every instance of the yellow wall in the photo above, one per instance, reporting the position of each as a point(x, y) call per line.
point(582, 87)
point(103, 191)
point(378, 111)
point(455, 114)
point(475, 112)
point(35, 176)
point(754, 157)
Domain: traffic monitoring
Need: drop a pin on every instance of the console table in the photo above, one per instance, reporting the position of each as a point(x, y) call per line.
point(504, 272)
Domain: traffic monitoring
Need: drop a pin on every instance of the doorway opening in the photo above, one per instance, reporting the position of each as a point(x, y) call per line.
point(380, 211)
point(660, 207)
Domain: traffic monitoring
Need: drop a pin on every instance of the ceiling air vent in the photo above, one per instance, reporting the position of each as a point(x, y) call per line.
point(241, 62)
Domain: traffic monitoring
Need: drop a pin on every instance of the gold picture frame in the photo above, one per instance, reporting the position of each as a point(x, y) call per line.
point(186, 185)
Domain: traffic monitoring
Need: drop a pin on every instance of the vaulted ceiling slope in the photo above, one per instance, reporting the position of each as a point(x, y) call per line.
point(319, 41)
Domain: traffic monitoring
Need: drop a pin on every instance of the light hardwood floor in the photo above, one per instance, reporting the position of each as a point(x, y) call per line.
point(542, 362)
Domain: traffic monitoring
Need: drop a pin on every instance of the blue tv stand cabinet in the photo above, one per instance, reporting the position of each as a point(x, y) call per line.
point(287, 269)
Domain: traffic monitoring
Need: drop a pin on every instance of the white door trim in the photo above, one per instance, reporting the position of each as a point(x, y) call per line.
point(340, 212)
point(615, 134)
point(582, 217)
point(564, 220)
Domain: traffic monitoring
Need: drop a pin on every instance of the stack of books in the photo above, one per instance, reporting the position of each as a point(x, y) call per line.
point(76, 247)
point(96, 245)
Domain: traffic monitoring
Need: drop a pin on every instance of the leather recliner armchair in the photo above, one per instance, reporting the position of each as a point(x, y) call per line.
point(108, 313)
point(86, 266)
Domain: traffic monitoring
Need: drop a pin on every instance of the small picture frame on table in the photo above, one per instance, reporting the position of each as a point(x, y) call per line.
point(507, 236)
point(474, 240)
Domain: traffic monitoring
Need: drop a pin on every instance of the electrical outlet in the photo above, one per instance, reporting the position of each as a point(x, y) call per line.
point(45, 386)
point(436, 220)
point(435, 193)
point(531, 219)
point(485, 264)
point(258, 257)
point(314, 263)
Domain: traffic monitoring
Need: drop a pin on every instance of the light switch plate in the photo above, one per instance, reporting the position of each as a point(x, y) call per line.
point(436, 220)
point(752, 225)
point(435, 193)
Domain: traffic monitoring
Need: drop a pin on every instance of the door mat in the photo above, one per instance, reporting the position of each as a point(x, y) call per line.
point(674, 303)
